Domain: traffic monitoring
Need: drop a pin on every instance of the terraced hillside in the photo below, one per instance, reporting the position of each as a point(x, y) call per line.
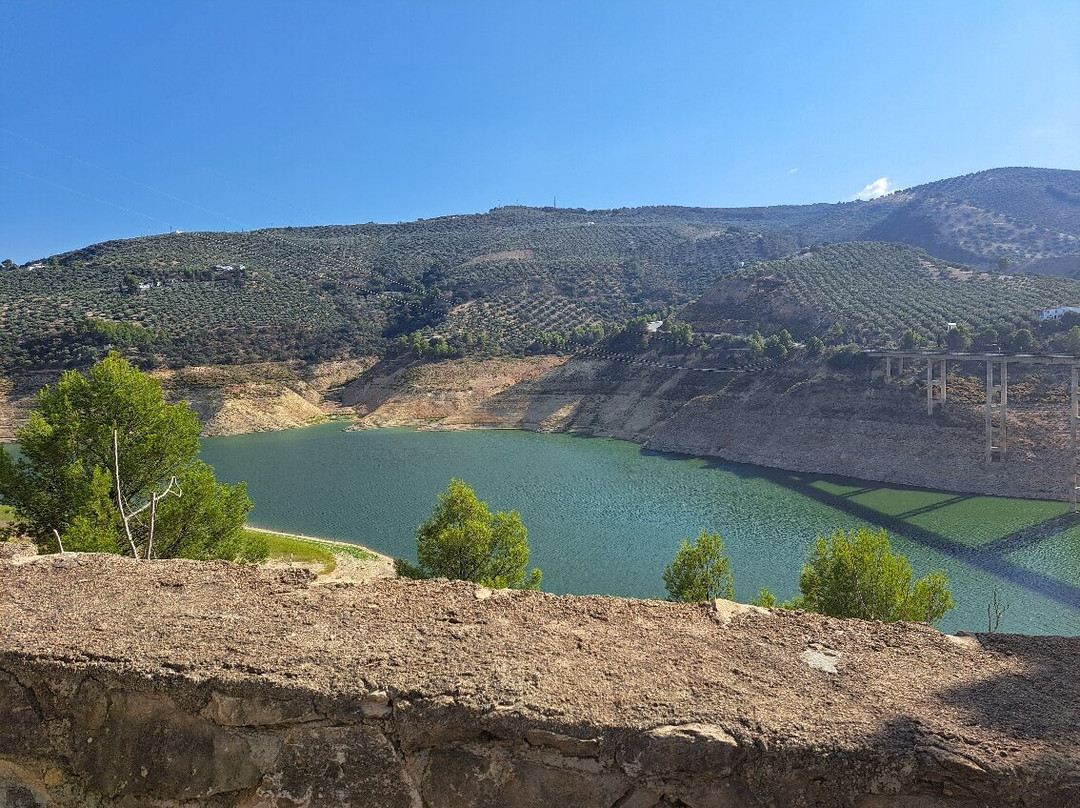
point(875, 292)
point(517, 278)
point(499, 280)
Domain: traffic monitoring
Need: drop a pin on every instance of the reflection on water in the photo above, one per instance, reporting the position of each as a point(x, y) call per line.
point(605, 517)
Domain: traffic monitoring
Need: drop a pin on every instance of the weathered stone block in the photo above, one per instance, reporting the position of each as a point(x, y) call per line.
point(533, 784)
point(458, 779)
point(22, 730)
point(14, 795)
point(421, 726)
point(684, 748)
point(255, 711)
point(336, 766)
point(567, 745)
point(148, 747)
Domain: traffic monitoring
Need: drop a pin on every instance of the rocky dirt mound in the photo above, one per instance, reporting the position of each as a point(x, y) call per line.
point(827, 709)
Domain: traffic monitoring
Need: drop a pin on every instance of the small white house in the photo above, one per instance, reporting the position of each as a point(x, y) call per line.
point(1057, 312)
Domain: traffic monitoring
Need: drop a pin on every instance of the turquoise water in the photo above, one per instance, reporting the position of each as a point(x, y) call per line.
point(605, 517)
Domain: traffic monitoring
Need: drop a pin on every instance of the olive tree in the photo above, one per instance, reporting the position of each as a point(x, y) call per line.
point(462, 539)
point(95, 460)
point(700, 571)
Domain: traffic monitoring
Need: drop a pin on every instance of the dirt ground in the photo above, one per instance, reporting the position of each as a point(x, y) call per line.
point(1001, 703)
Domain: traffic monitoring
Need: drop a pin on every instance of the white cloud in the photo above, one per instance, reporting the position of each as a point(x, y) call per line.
point(794, 171)
point(875, 189)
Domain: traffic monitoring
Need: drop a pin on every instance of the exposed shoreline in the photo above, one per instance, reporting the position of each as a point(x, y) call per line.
point(318, 540)
point(802, 419)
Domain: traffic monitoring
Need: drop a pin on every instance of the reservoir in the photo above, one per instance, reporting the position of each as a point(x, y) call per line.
point(605, 516)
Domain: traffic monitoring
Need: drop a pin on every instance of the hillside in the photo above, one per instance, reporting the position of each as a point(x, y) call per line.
point(875, 292)
point(500, 279)
point(1025, 215)
point(511, 280)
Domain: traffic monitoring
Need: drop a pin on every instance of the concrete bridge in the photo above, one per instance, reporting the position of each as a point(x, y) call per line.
point(997, 393)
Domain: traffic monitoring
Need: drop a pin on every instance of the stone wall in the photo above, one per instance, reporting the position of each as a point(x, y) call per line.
point(184, 684)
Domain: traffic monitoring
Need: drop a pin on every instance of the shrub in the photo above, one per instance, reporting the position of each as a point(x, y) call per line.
point(463, 540)
point(856, 574)
point(700, 571)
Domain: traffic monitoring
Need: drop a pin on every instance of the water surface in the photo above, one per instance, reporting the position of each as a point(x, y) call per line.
point(605, 516)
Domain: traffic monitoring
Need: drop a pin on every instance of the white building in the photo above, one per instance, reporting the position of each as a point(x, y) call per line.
point(1058, 312)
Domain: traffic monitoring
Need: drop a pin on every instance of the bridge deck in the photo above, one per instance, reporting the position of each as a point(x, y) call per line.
point(1023, 359)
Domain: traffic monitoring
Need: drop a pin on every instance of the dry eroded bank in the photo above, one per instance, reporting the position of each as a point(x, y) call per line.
point(798, 416)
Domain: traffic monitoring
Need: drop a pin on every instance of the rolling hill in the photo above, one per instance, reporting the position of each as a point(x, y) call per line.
point(509, 279)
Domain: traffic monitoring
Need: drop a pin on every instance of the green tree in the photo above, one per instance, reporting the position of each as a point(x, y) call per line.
point(774, 347)
point(856, 574)
point(461, 539)
point(756, 343)
point(835, 334)
point(958, 338)
point(814, 346)
point(766, 598)
point(683, 334)
point(988, 338)
point(1022, 340)
point(846, 356)
point(700, 571)
point(910, 340)
point(64, 479)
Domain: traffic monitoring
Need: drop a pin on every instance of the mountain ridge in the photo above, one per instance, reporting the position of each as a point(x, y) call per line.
point(976, 187)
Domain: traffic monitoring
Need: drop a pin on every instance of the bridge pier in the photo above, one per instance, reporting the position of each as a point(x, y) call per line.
point(997, 404)
point(1074, 396)
point(997, 397)
point(935, 385)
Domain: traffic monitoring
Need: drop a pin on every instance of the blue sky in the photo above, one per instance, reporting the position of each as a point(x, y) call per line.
point(122, 119)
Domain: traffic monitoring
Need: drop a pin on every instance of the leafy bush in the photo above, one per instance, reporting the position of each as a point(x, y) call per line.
point(463, 540)
point(700, 571)
point(856, 574)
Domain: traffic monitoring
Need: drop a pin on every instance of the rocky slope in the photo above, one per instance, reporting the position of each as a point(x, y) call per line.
point(449, 394)
point(853, 424)
point(179, 683)
point(238, 399)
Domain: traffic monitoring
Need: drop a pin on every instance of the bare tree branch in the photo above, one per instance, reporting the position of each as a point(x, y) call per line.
point(155, 498)
point(119, 495)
